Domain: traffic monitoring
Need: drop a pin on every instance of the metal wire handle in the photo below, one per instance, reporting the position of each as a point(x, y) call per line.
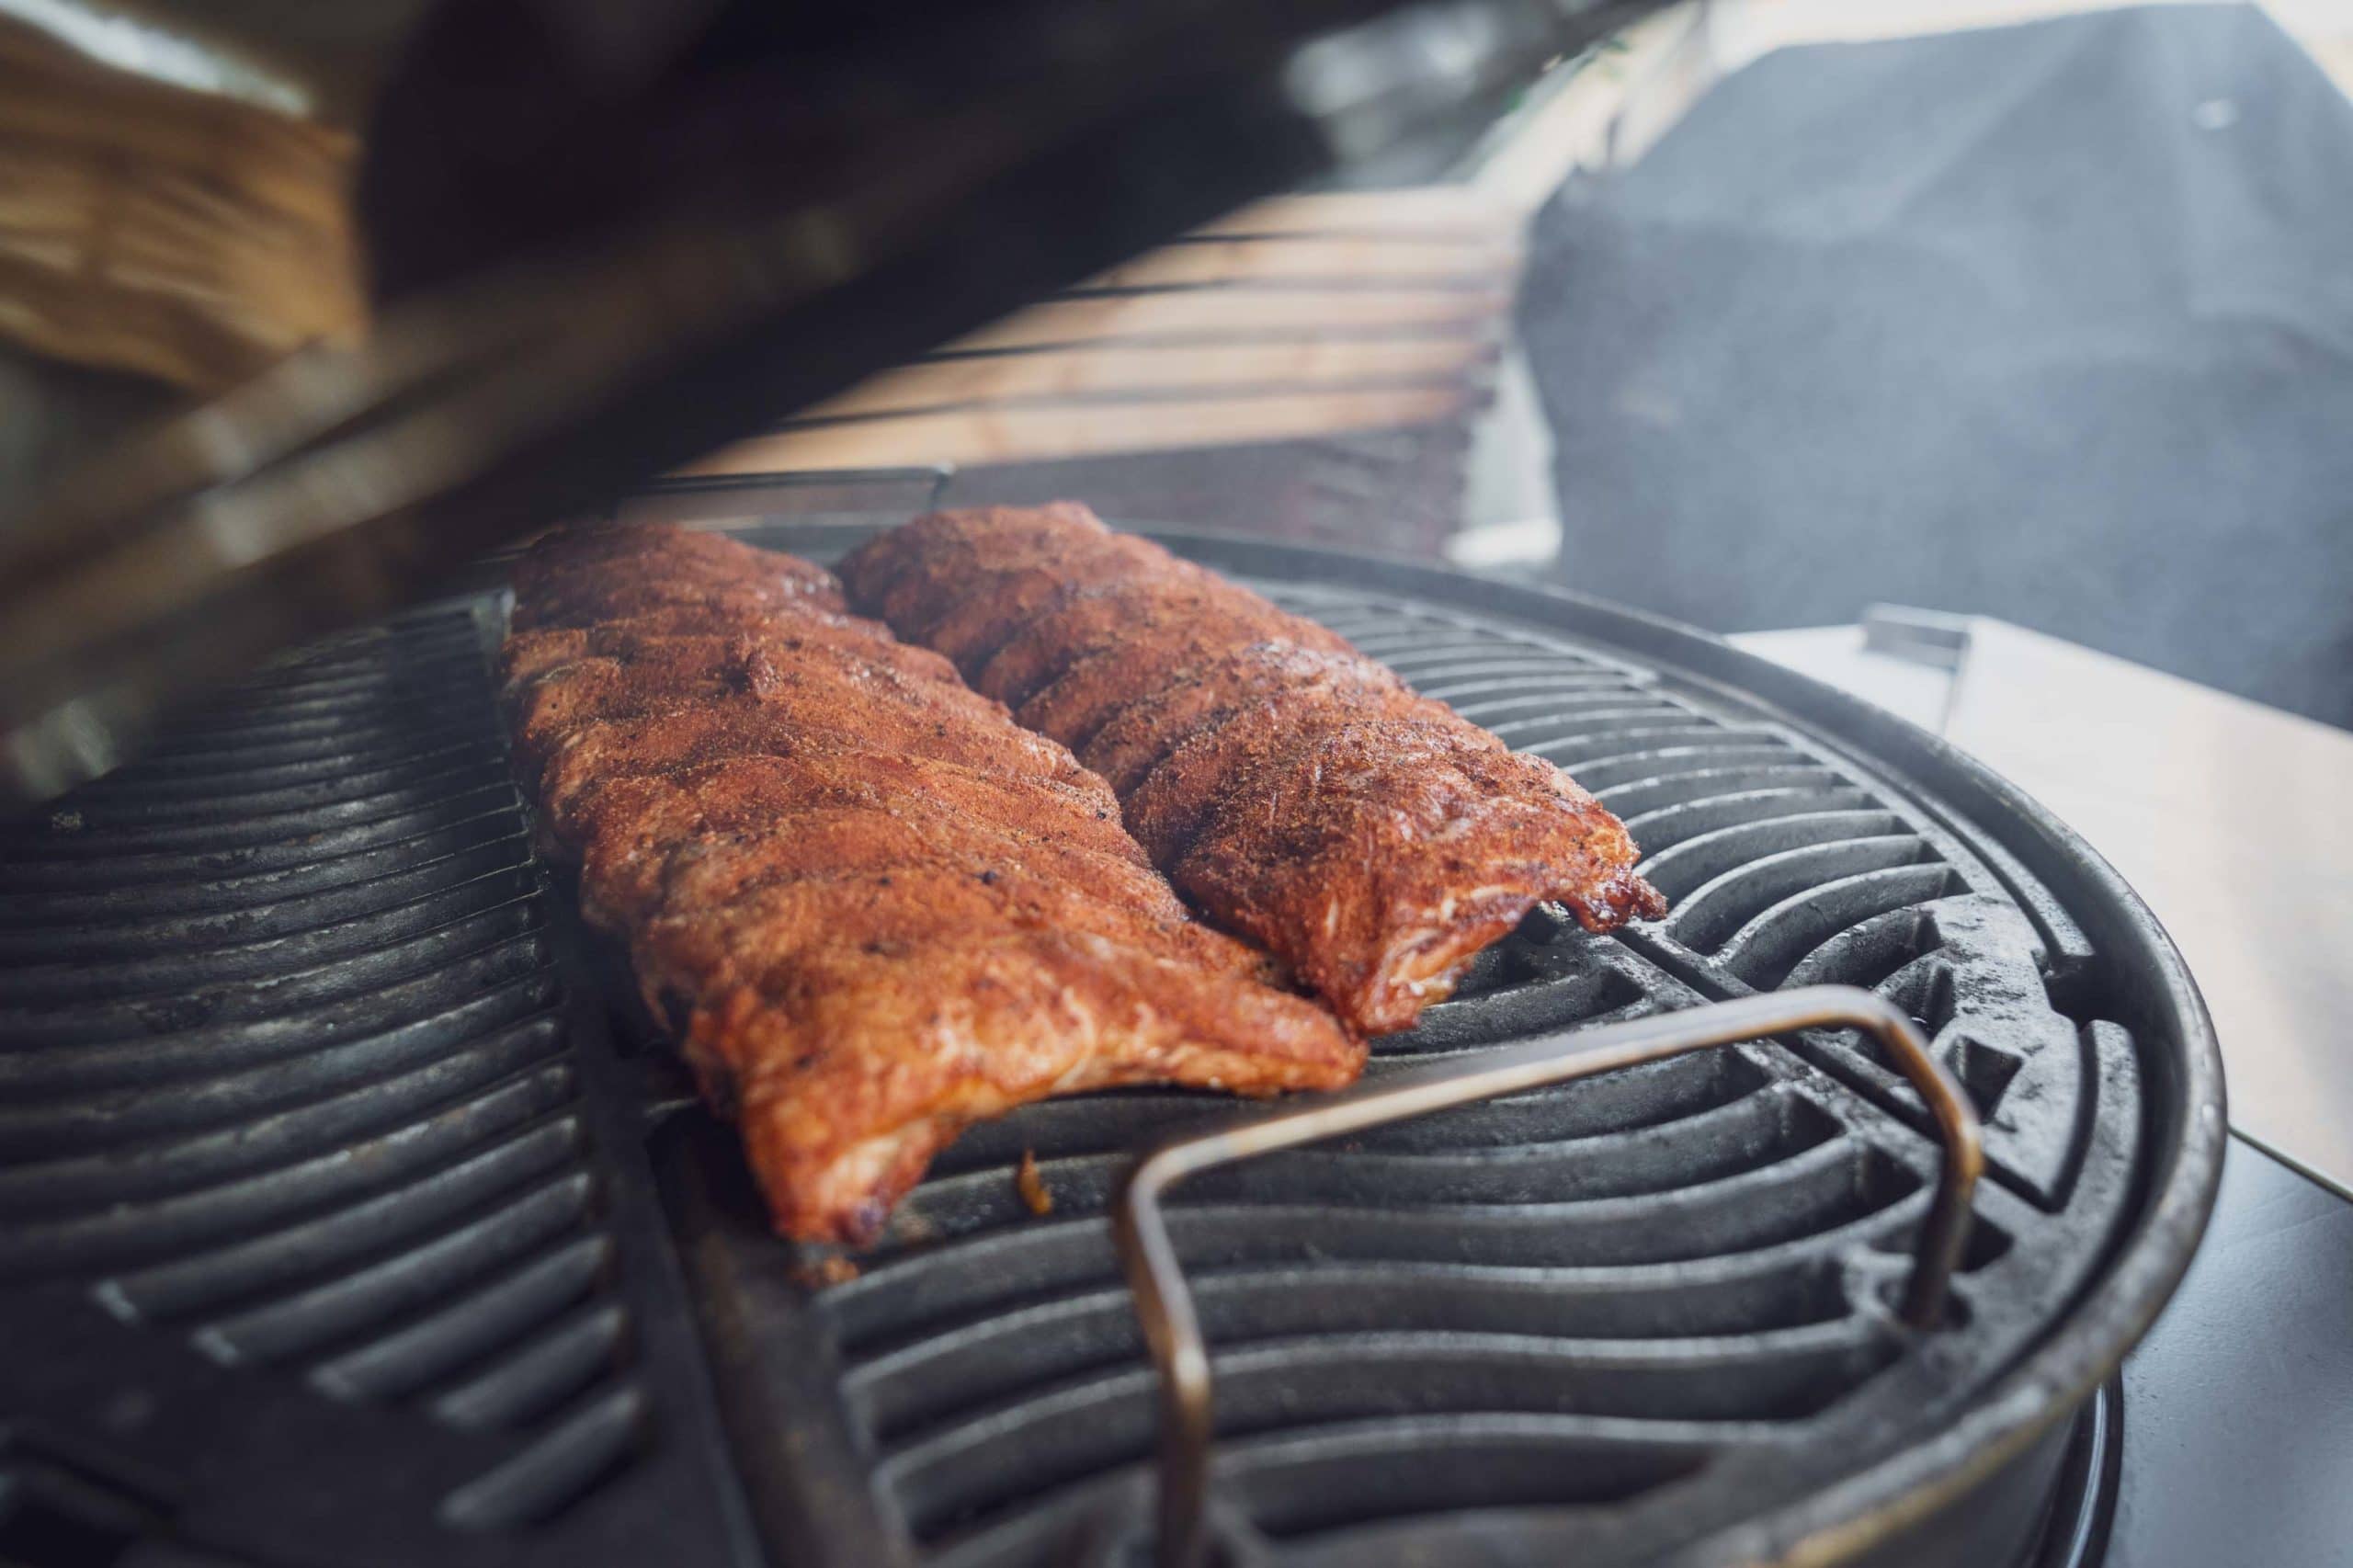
point(1173, 1330)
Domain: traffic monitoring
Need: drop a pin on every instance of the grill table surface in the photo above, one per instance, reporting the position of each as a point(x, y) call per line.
point(2225, 815)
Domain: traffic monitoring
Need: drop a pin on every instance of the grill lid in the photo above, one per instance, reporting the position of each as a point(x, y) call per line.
point(340, 1210)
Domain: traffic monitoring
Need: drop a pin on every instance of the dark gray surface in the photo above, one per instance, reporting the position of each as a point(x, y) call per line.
point(2238, 1407)
point(2053, 323)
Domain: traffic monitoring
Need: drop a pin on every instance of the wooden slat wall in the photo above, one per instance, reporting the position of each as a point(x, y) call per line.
point(1144, 370)
point(1072, 428)
point(1248, 315)
point(1297, 317)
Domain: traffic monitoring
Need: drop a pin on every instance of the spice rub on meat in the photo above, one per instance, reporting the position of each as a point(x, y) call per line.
point(872, 908)
point(1298, 792)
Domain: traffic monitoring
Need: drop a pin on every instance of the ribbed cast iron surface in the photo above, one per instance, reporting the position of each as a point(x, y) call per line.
point(292, 1114)
point(303, 1131)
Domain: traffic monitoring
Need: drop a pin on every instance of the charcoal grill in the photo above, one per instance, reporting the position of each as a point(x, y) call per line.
point(349, 1217)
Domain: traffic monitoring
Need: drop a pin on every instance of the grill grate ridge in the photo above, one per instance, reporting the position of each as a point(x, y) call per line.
point(573, 1454)
point(1691, 863)
point(74, 870)
point(459, 898)
point(366, 808)
point(956, 1366)
point(316, 749)
point(115, 1118)
point(120, 1233)
point(250, 779)
point(528, 1381)
point(116, 928)
point(1011, 1457)
point(409, 1358)
point(500, 982)
point(343, 1238)
point(342, 1308)
point(249, 799)
point(454, 1084)
point(363, 980)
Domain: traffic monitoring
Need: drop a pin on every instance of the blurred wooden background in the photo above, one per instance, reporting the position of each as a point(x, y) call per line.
point(1307, 367)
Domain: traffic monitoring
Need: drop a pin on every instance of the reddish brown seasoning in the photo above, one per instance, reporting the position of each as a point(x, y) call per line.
point(872, 908)
point(1032, 1186)
point(1372, 839)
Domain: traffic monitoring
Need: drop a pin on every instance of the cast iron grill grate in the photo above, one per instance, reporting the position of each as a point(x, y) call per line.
point(288, 1083)
point(1622, 1301)
point(314, 1129)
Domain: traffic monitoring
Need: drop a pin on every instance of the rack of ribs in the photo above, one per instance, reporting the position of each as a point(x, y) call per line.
point(871, 908)
point(1295, 791)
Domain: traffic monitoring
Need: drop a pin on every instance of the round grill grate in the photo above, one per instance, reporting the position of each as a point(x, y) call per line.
point(316, 1130)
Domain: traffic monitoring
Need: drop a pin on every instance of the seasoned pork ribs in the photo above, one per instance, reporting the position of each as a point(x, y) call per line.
point(872, 908)
point(1295, 791)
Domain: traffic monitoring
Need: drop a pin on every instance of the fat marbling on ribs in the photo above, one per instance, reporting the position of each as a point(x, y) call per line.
point(872, 908)
point(1297, 791)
